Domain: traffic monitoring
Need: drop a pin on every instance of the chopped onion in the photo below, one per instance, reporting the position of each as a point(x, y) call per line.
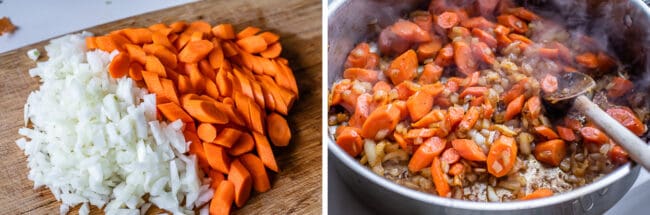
point(94, 139)
point(371, 153)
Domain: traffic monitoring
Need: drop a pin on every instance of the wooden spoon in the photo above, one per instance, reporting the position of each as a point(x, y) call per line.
point(571, 87)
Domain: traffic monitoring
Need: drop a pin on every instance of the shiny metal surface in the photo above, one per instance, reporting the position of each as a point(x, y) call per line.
point(624, 26)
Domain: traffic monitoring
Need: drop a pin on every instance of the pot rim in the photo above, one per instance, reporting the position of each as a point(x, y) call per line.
point(601, 183)
point(597, 185)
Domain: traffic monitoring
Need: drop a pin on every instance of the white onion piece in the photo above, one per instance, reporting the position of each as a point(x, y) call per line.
point(371, 153)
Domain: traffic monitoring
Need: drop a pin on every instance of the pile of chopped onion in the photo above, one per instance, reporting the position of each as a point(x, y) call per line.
point(94, 139)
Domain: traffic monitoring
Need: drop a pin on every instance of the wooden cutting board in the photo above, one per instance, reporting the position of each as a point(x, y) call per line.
point(296, 189)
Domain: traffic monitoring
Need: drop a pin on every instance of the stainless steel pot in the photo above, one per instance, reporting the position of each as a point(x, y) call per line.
point(625, 25)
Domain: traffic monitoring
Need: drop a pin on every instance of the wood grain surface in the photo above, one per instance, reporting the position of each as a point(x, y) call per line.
point(296, 189)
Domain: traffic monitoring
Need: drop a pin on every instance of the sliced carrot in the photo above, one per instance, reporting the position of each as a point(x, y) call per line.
point(458, 32)
point(197, 79)
point(217, 157)
point(255, 166)
point(439, 178)
point(424, 155)
point(257, 123)
point(502, 156)
point(279, 131)
point(382, 120)
point(485, 37)
point(593, 135)
point(194, 51)
point(349, 139)
point(429, 49)
point(430, 74)
point(523, 13)
point(619, 87)
point(196, 36)
point(228, 137)
point(549, 83)
point(618, 155)
point(572, 123)
point(223, 198)
point(269, 37)
point(469, 119)
point(464, 58)
point(566, 133)
point(242, 180)
point(533, 107)
point(173, 112)
point(456, 169)
point(200, 26)
point(588, 60)
point(205, 112)
point(264, 151)
point(445, 56)
point(513, 22)
point(478, 22)
point(224, 31)
point(474, 91)
point(119, 40)
point(206, 132)
point(627, 118)
point(105, 43)
point(468, 149)
point(244, 144)
point(403, 67)
point(166, 57)
point(223, 83)
point(539, 193)
point(169, 90)
point(515, 91)
point(514, 107)
point(483, 52)
point(272, 51)
point(419, 104)
point(177, 27)
point(450, 156)
point(447, 20)
point(216, 178)
point(136, 53)
point(196, 148)
point(152, 81)
point(551, 53)
point(119, 66)
point(361, 74)
point(184, 85)
point(247, 32)
point(161, 39)
point(410, 31)
point(252, 44)
point(135, 71)
point(91, 43)
point(154, 65)
point(158, 27)
point(550, 152)
point(546, 132)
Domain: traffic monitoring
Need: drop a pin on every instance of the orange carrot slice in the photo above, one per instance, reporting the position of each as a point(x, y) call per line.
point(242, 180)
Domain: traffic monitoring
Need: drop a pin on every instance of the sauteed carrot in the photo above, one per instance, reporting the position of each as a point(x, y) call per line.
point(457, 92)
point(231, 89)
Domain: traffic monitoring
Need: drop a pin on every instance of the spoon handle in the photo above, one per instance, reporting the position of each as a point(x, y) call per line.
point(635, 147)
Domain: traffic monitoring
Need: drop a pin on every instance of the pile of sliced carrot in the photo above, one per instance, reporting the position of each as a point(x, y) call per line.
point(231, 89)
